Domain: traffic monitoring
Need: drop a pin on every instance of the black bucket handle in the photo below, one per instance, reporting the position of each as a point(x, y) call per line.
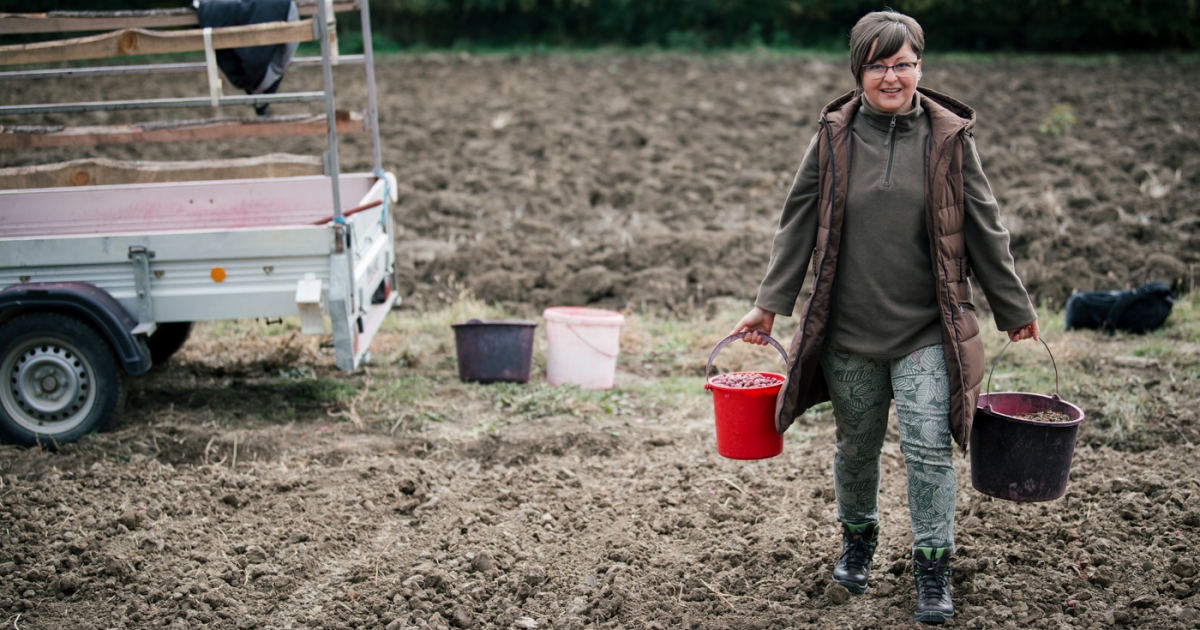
point(997, 360)
point(730, 339)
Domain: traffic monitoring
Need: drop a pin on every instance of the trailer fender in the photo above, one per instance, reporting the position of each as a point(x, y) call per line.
point(89, 303)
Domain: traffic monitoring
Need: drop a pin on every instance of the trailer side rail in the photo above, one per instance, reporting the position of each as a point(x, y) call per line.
point(68, 21)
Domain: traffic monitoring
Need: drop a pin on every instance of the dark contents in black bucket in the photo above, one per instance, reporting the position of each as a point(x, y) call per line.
point(744, 380)
point(1044, 416)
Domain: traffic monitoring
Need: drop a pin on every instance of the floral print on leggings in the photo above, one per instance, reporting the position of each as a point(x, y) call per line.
point(861, 389)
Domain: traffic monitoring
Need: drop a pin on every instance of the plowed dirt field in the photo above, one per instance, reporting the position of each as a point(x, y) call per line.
point(251, 485)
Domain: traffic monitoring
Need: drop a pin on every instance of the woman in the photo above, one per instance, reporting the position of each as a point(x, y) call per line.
point(893, 209)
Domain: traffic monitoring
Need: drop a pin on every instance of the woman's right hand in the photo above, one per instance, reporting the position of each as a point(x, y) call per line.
point(756, 321)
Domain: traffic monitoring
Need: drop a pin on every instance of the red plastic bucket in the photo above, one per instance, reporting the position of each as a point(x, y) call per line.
point(746, 415)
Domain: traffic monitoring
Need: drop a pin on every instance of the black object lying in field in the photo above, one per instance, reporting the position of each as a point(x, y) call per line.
point(1137, 310)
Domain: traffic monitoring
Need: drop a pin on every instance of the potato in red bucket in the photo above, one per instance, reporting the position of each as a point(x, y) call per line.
point(744, 406)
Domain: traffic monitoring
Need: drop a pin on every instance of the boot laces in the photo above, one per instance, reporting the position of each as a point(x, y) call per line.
point(858, 552)
point(931, 580)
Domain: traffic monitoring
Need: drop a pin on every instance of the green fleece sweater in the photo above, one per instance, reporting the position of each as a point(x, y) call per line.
point(885, 304)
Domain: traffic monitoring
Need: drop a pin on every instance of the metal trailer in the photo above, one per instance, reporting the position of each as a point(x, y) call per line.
point(103, 281)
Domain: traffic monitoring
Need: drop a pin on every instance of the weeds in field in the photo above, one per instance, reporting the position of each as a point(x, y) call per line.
point(1184, 322)
point(1059, 122)
point(1117, 413)
point(536, 400)
point(669, 355)
point(668, 392)
point(487, 425)
point(298, 373)
point(530, 402)
point(414, 382)
point(799, 436)
point(252, 328)
point(676, 346)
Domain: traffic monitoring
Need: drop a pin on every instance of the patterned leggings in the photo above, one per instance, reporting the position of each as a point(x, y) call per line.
point(861, 389)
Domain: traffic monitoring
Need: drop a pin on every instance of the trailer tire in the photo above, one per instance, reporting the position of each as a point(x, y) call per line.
point(61, 380)
point(167, 339)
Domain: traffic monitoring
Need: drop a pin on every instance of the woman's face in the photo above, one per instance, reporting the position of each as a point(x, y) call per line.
point(892, 91)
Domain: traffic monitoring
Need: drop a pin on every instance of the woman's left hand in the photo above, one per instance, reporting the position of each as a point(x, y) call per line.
point(1029, 331)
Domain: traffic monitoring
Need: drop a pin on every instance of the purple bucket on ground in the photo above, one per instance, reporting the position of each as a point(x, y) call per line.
point(494, 350)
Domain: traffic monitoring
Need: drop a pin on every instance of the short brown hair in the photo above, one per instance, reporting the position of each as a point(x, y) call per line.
point(892, 29)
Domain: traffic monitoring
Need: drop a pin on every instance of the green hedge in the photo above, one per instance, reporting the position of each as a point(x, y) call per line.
point(962, 25)
point(965, 25)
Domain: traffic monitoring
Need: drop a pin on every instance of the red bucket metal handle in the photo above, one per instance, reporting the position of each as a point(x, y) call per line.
point(730, 339)
point(997, 360)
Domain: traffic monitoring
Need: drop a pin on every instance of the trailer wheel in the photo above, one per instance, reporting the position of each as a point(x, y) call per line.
point(167, 339)
point(60, 380)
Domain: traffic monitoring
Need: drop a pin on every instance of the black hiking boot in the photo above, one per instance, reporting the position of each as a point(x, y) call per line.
point(931, 568)
point(858, 551)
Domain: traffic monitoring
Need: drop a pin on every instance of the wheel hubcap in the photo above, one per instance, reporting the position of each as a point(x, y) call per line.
point(50, 386)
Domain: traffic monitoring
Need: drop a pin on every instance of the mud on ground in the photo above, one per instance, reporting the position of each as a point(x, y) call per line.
point(254, 491)
point(251, 485)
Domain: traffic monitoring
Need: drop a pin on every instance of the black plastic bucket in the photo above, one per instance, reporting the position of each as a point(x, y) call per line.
point(1020, 459)
point(493, 350)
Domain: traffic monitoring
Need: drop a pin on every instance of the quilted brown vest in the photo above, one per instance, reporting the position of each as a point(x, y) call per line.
point(949, 121)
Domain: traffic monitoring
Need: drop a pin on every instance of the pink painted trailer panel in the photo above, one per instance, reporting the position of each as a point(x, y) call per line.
point(176, 206)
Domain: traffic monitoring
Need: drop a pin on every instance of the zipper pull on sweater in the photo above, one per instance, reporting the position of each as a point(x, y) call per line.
point(891, 132)
point(887, 176)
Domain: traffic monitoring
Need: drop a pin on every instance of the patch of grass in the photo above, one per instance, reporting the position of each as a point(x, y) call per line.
point(314, 391)
point(667, 346)
point(425, 339)
point(252, 327)
point(537, 400)
point(1121, 412)
point(1026, 366)
point(401, 391)
point(1155, 348)
point(1170, 344)
point(1128, 404)
point(487, 425)
point(272, 399)
point(668, 392)
point(395, 398)
point(809, 424)
point(1059, 121)
point(412, 384)
point(526, 402)
point(1184, 322)
point(801, 435)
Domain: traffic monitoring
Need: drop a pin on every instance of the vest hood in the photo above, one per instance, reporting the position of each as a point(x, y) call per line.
point(952, 110)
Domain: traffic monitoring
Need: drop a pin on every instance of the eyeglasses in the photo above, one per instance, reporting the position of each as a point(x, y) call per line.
point(878, 70)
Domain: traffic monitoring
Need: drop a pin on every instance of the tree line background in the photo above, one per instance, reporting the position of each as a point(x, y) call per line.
point(960, 25)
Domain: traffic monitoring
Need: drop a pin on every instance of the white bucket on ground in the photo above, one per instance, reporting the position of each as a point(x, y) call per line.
point(581, 346)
